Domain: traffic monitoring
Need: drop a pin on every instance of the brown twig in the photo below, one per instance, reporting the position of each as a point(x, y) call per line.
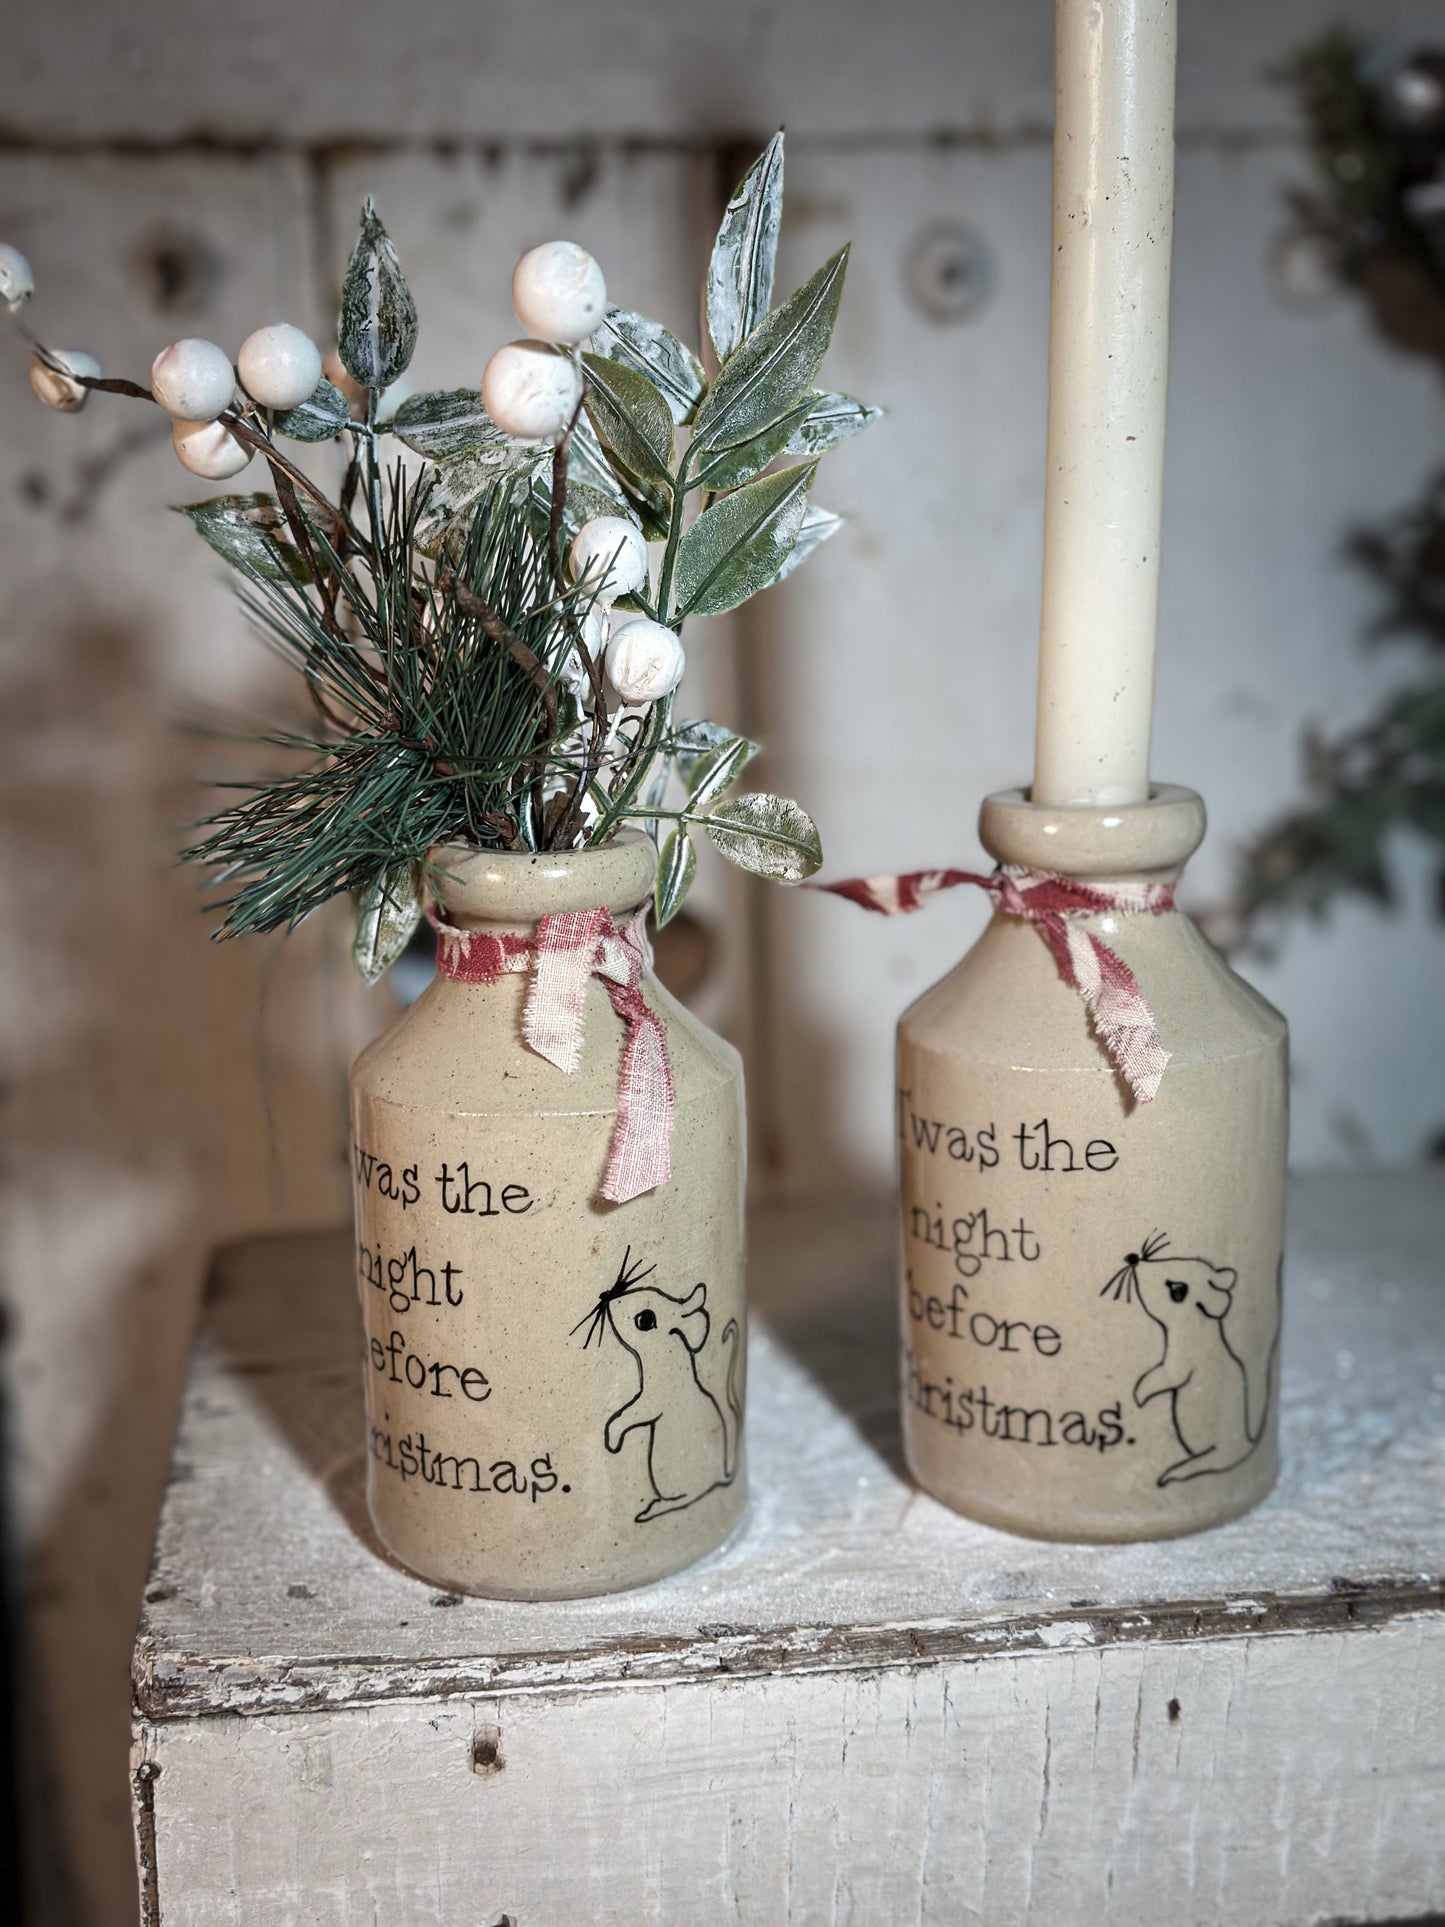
point(563, 822)
point(471, 604)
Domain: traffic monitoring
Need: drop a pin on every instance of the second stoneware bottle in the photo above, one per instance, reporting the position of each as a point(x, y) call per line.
point(1090, 1294)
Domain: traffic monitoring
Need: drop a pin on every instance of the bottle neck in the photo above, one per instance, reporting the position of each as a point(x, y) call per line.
point(1104, 844)
point(510, 891)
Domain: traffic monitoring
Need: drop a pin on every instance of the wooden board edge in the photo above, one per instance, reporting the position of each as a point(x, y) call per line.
point(170, 1685)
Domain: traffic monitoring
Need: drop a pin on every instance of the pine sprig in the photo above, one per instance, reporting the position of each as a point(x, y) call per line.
point(453, 725)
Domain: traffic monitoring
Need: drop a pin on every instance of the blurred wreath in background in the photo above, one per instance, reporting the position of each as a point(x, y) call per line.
point(1375, 219)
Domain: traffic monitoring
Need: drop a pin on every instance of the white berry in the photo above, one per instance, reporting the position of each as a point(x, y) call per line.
point(558, 292)
point(280, 366)
point(209, 449)
point(531, 391)
point(17, 283)
point(193, 380)
point(57, 390)
point(609, 554)
point(645, 661)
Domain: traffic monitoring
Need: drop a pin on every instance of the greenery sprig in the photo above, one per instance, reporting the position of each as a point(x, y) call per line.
point(490, 645)
point(1376, 215)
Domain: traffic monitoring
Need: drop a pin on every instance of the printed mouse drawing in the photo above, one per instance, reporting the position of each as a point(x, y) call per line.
point(1220, 1399)
point(692, 1440)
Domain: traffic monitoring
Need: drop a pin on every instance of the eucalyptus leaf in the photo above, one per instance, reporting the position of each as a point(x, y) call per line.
point(655, 352)
point(774, 367)
point(445, 424)
point(724, 468)
point(632, 420)
point(818, 527)
point(376, 333)
point(718, 769)
point(324, 413)
point(248, 532)
point(740, 274)
point(768, 835)
point(676, 868)
point(389, 914)
point(459, 484)
point(830, 419)
point(741, 543)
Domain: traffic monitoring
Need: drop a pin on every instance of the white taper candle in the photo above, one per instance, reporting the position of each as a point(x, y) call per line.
point(1108, 370)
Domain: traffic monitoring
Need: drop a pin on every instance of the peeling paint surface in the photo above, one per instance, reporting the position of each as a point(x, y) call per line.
point(864, 1709)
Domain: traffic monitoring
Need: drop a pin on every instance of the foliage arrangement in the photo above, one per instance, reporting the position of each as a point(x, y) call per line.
point(1378, 130)
point(488, 610)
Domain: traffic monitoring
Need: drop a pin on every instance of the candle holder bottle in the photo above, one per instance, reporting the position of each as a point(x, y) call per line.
point(1090, 1293)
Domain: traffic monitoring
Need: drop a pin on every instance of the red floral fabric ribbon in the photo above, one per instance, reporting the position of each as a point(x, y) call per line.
point(568, 949)
point(1118, 1009)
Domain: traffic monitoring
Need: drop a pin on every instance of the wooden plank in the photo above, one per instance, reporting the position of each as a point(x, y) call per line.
point(865, 1708)
point(622, 67)
point(1246, 1779)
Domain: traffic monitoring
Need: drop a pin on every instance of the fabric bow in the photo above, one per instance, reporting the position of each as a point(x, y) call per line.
point(1117, 1007)
point(569, 948)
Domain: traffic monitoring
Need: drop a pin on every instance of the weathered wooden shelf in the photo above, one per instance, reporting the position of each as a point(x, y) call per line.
point(864, 1709)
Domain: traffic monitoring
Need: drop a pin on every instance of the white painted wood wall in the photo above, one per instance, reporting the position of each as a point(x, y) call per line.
point(164, 1094)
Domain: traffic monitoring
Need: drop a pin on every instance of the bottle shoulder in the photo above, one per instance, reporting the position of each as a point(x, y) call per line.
point(460, 1047)
point(1005, 1001)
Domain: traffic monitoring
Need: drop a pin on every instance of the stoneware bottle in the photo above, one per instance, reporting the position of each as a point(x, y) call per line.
point(554, 1384)
point(1091, 1285)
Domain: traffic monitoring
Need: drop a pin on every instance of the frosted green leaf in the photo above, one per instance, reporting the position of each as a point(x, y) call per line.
point(830, 419)
point(445, 424)
point(633, 422)
point(740, 274)
point(655, 352)
point(248, 531)
point(726, 468)
point(587, 464)
point(459, 483)
point(718, 769)
point(580, 505)
point(676, 868)
point(389, 914)
point(768, 835)
point(818, 526)
point(741, 543)
point(376, 332)
point(692, 741)
point(772, 370)
point(323, 414)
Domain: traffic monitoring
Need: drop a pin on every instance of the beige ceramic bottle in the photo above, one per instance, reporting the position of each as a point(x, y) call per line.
point(554, 1384)
point(1091, 1285)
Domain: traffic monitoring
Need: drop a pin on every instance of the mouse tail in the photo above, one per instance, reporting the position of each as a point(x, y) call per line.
point(1259, 1393)
point(732, 1337)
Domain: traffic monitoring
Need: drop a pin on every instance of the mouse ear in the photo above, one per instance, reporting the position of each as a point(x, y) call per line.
point(1216, 1297)
point(692, 1323)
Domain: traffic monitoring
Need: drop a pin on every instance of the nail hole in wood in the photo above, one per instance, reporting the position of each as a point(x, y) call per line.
point(487, 1751)
point(178, 272)
point(1174, 1711)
